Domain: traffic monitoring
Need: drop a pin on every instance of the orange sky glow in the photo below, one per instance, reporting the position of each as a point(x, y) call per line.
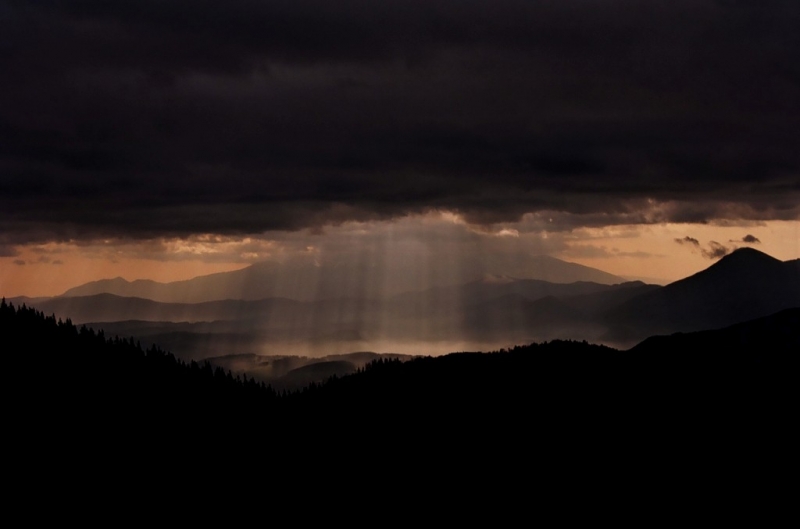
point(647, 252)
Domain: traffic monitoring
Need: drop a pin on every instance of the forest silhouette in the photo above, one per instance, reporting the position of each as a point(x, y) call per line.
point(78, 379)
point(677, 418)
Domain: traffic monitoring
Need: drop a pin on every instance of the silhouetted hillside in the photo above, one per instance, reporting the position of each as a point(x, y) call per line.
point(744, 285)
point(597, 303)
point(741, 375)
point(521, 319)
point(72, 377)
point(707, 398)
point(774, 338)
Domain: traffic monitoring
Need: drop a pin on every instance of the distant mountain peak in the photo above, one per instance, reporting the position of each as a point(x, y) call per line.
point(748, 253)
point(743, 285)
point(747, 260)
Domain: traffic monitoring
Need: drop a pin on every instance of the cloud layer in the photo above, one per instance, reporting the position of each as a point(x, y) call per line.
point(171, 118)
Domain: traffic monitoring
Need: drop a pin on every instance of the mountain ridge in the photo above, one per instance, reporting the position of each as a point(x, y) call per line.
point(743, 285)
point(266, 280)
point(484, 313)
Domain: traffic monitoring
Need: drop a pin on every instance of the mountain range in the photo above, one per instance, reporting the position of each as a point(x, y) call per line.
point(269, 280)
point(253, 335)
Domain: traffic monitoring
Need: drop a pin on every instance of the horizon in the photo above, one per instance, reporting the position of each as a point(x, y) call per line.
point(657, 254)
point(207, 319)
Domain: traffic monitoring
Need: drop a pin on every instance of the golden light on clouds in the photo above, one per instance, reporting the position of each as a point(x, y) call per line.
point(412, 246)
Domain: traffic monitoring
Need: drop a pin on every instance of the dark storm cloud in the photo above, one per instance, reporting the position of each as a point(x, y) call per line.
point(715, 250)
point(689, 240)
point(749, 239)
point(175, 117)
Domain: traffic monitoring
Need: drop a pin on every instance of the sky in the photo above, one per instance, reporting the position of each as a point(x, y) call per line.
point(168, 139)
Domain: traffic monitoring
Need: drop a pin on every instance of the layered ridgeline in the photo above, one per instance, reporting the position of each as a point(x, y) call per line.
point(309, 283)
point(57, 351)
point(477, 315)
point(486, 314)
point(336, 311)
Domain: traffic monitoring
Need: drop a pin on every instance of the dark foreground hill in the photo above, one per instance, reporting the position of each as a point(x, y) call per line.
point(746, 364)
point(69, 376)
point(560, 409)
point(774, 338)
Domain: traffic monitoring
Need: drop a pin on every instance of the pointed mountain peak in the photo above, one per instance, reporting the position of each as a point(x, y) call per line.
point(748, 253)
point(744, 265)
point(746, 257)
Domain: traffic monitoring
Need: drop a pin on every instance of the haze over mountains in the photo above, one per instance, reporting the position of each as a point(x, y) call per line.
point(269, 280)
point(494, 312)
